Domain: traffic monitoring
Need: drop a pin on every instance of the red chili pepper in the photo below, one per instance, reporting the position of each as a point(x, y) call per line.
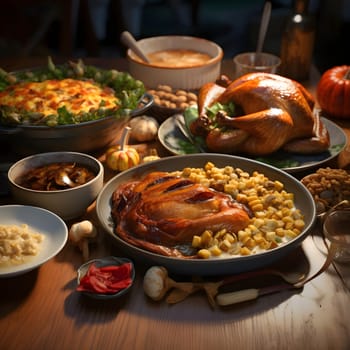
point(107, 279)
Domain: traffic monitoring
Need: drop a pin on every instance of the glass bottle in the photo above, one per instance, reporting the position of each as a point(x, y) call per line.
point(298, 42)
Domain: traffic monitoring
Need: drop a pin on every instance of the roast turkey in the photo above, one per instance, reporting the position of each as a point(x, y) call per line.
point(161, 213)
point(272, 113)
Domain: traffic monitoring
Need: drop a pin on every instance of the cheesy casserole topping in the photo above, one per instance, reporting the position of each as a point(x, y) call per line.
point(71, 93)
point(48, 96)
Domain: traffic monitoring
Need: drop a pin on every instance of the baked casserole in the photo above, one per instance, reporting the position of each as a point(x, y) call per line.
point(67, 94)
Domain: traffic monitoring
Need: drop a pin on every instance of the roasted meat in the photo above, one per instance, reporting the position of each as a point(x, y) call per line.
point(161, 213)
point(273, 113)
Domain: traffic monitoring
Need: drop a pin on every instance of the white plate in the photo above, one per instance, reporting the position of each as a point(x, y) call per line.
point(175, 142)
point(41, 220)
point(303, 201)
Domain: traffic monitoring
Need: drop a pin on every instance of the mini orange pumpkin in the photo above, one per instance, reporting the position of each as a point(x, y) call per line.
point(333, 92)
point(122, 157)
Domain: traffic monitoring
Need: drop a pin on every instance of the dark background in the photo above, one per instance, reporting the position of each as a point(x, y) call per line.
point(37, 28)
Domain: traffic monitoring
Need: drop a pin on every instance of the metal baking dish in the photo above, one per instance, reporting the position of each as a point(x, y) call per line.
point(83, 137)
point(91, 135)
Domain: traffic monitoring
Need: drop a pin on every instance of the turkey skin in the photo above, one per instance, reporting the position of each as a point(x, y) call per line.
point(162, 212)
point(272, 113)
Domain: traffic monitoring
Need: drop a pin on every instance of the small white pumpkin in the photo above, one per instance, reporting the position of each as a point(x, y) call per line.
point(143, 128)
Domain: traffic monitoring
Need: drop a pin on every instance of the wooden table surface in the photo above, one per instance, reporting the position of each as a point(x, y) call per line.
point(42, 310)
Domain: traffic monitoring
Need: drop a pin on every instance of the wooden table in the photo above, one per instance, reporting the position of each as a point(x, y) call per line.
point(42, 310)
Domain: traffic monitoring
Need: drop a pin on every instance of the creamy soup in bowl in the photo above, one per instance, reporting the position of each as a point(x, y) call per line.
point(182, 62)
point(178, 58)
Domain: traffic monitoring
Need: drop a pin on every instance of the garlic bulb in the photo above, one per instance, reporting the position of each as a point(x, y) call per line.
point(155, 282)
point(143, 128)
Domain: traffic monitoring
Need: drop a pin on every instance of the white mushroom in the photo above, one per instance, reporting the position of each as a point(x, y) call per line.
point(80, 234)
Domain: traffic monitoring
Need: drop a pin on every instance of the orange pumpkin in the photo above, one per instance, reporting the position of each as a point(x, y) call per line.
point(333, 92)
point(122, 157)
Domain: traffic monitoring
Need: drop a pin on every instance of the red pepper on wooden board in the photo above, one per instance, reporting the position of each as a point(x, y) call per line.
point(107, 279)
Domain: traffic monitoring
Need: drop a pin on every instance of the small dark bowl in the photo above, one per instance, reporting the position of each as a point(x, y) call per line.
point(107, 261)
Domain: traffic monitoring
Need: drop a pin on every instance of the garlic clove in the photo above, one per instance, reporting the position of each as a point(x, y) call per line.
point(154, 282)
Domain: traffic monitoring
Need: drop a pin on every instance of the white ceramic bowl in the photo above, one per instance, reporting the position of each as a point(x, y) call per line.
point(52, 227)
point(68, 203)
point(187, 78)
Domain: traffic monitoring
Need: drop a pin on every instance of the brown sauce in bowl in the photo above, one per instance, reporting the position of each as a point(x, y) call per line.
point(56, 176)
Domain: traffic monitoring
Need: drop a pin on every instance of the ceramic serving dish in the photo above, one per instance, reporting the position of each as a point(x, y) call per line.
point(39, 220)
point(68, 203)
point(189, 77)
point(228, 265)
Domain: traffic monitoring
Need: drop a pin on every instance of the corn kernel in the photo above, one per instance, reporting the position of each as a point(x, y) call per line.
point(225, 245)
point(278, 185)
point(264, 244)
point(289, 203)
point(287, 219)
point(250, 243)
point(231, 189)
point(242, 235)
point(299, 223)
point(253, 229)
point(290, 233)
point(242, 198)
point(206, 237)
point(229, 237)
point(280, 232)
point(203, 254)
point(288, 225)
point(245, 251)
point(279, 214)
point(258, 237)
point(209, 165)
point(296, 231)
point(214, 241)
point(257, 207)
point(288, 196)
point(258, 222)
point(215, 250)
point(196, 241)
point(260, 214)
point(253, 200)
point(285, 211)
point(270, 236)
point(280, 223)
point(220, 233)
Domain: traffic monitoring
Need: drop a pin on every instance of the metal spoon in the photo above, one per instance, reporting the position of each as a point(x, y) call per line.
point(128, 40)
point(265, 20)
